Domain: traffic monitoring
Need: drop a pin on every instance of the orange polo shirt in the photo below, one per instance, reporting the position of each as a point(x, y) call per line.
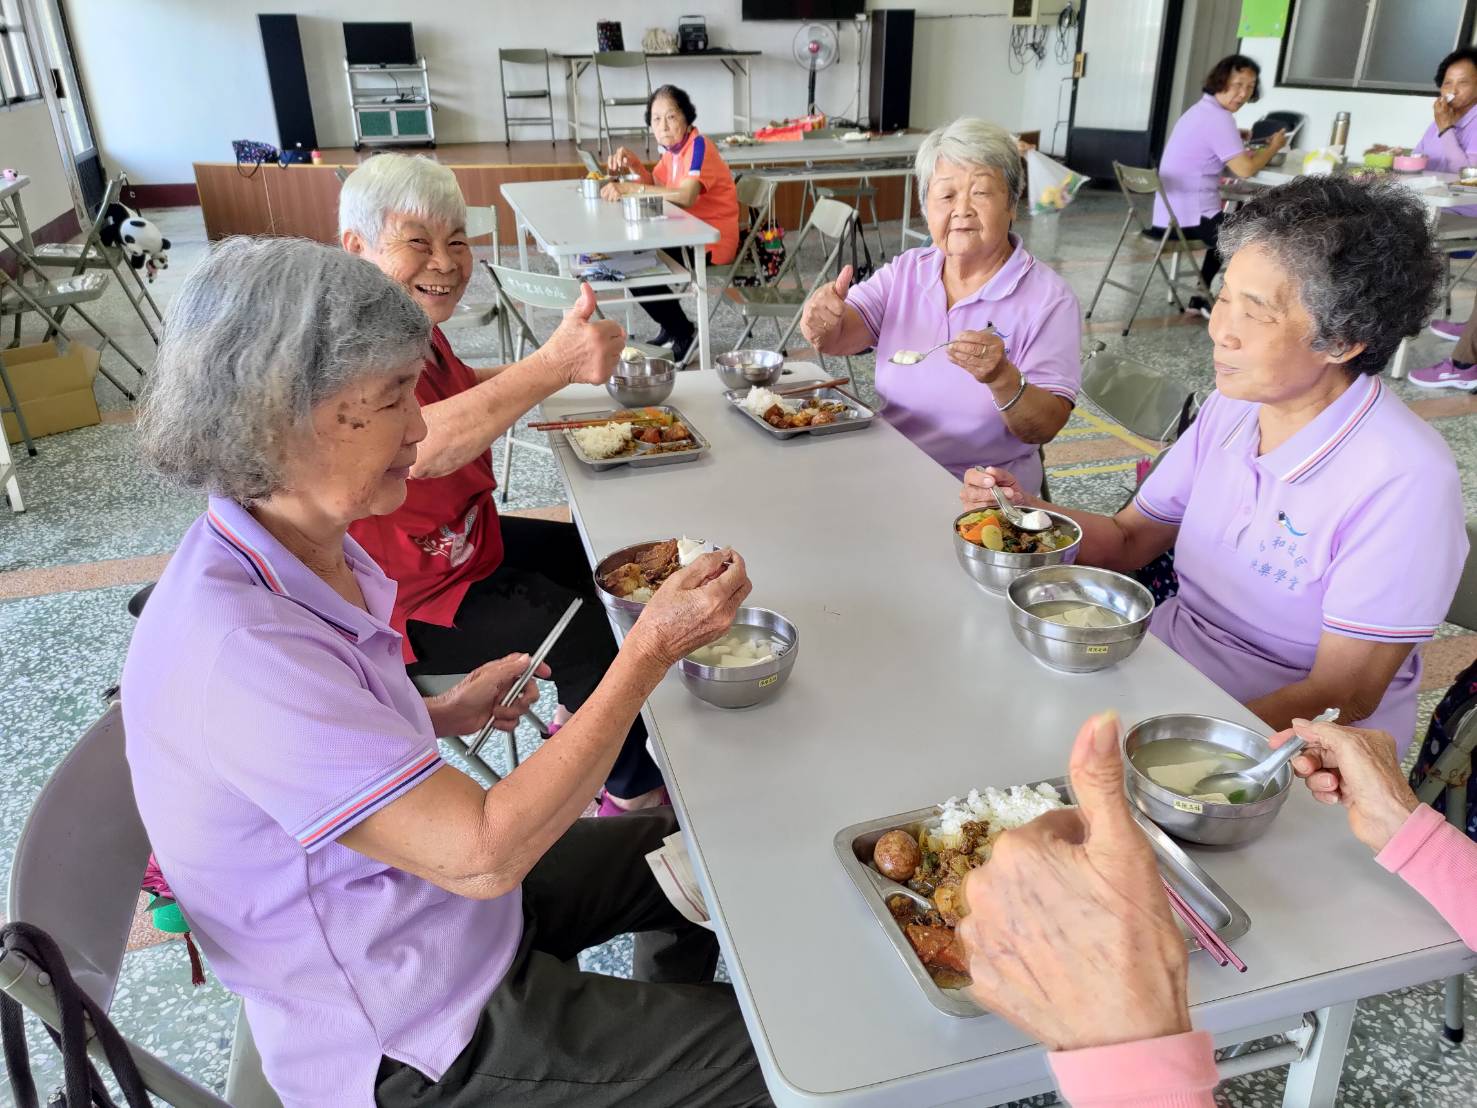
point(717, 199)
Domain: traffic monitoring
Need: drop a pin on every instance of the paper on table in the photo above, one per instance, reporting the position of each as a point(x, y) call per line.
point(631, 263)
point(673, 870)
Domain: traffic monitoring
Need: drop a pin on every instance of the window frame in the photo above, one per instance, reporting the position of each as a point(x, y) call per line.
point(15, 36)
point(1356, 83)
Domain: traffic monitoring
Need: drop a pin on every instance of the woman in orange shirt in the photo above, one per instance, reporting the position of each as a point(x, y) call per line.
point(691, 174)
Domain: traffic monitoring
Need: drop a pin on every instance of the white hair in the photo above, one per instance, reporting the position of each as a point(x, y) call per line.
point(261, 332)
point(969, 141)
point(389, 184)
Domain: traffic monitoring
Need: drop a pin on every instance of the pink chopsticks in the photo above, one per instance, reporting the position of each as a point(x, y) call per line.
point(1209, 941)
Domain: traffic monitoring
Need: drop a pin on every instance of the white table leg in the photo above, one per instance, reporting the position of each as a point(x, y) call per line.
point(522, 229)
point(1313, 1082)
point(701, 277)
point(574, 99)
point(1399, 364)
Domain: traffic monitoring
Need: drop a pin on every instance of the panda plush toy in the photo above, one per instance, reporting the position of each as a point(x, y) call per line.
point(140, 241)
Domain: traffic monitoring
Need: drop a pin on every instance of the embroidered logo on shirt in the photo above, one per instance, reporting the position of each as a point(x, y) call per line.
point(449, 544)
point(1287, 523)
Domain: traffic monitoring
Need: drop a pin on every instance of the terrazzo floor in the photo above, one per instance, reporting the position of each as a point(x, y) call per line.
point(98, 526)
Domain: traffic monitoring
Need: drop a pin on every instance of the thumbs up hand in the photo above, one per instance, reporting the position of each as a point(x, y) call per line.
point(1069, 934)
point(583, 349)
point(824, 312)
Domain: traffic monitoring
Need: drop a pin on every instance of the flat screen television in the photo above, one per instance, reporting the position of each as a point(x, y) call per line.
point(803, 9)
point(379, 44)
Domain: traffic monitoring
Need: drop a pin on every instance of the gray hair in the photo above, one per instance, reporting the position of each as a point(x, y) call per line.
point(398, 183)
point(1359, 253)
point(969, 141)
point(260, 332)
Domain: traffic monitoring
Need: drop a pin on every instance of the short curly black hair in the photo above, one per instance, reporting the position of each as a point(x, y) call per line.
point(1464, 54)
point(1219, 77)
point(677, 96)
point(1360, 253)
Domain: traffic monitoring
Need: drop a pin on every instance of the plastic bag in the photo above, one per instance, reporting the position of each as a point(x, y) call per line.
point(1052, 185)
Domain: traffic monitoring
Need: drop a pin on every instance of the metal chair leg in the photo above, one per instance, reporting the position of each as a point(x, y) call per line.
point(1107, 269)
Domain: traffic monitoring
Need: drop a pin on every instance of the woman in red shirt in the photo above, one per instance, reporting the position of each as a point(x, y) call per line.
point(691, 174)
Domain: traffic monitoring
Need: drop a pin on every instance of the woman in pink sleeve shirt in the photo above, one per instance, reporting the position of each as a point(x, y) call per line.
point(1070, 938)
point(1450, 142)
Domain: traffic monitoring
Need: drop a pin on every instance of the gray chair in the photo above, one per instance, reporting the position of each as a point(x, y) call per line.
point(1140, 186)
point(1139, 398)
point(47, 298)
point(784, 299)
point(756, 198)
point(608, 65)
point(76, 874)
point(532, 94)
point(482, 223)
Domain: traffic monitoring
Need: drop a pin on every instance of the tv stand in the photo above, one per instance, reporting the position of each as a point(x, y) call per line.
point(385, 115)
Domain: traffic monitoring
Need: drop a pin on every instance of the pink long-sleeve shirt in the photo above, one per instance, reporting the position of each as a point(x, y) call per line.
point(1433, 857)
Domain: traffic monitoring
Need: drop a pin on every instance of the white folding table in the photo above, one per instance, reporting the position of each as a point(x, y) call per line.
point(909, 688)
point(737, 62)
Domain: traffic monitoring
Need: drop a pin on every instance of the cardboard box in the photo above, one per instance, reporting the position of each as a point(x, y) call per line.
point(54, 389)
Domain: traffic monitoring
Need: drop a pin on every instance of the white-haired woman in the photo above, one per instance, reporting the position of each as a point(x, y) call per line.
point(1007, 380)
point(400, 935)
point(472, 586)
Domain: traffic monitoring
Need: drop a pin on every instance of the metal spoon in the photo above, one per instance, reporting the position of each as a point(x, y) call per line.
point(1033, 520)
point(913, 357)
point(1252, 783)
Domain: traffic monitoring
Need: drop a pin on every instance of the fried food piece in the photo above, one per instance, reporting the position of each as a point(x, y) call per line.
point(659, 562)
point(623, 580)
point(948, 898)
point(776, 416)
point(802, 418)
point(650, 435)
point(896, 855)
point(678, 432)
point(972, 833)
point(823, 417)
point(937, 946)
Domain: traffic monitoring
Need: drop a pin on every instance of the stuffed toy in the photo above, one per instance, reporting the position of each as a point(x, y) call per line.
point(141, 242)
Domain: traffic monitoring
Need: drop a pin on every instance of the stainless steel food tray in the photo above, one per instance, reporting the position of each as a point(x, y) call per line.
point(639, 459)
point(854, 848)
point(862, 415)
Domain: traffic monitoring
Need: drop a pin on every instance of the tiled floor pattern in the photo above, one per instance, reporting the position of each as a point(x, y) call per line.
point(98, 526)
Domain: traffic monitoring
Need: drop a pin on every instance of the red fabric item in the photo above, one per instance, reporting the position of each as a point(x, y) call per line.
point(446, 535)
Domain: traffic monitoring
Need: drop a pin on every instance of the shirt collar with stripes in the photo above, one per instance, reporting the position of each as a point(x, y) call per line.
point(1307, 451)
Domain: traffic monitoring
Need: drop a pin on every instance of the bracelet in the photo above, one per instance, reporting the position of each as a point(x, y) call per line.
point(1011, 403)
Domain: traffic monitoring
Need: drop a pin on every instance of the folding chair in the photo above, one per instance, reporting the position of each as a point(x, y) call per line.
point(18, 297)
point(76, 875)
point(90, 253)
point(832, 221)
point(756, 199)
point(506, 58)
point(482, 223)
point(605, 61)
point(1140, 399)
point(1139, 183)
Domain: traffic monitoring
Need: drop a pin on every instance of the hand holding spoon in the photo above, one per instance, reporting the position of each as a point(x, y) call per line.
point(1031, 520)
point(1252, 783)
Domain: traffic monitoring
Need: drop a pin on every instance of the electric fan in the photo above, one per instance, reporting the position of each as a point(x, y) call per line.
point(815, 49)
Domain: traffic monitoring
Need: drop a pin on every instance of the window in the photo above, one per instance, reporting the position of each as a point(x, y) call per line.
point(17, 74)
point(1378, 45)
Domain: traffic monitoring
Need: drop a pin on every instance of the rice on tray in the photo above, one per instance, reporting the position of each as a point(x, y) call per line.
point(759, 400)
point(1003, 809)
point(604, 440)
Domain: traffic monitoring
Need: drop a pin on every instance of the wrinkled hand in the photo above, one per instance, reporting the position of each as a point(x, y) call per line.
point(981, 354)
point(979, 480)
point(611, 190)
point(464, 708)
point(824, 311)
point(623, 160)
point(1358, 769)
point(1445, 114)
point(1069, 934)
point(1277, 141)
point(585, 350)
point(693, 607)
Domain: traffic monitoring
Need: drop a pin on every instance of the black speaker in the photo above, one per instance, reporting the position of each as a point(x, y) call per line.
point(289, 80)
point(890, 82)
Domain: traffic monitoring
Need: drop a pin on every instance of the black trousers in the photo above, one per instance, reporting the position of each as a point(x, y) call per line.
point(669, 314)
point(1208, 231)
point(514, 607)
point(552, 1035)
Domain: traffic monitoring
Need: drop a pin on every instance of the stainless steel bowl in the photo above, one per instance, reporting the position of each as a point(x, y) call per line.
point(639, 207)
point(1195, 820)
point(638, 384)
point(1079, 649)
point(745, 686)
point(625, 612)
point(1467, 174)
point(994, 570)
point(743, 369)
point(591, 186)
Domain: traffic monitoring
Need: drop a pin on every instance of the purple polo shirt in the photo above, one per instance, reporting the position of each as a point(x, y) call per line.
point(1449, 152)
point(266, 716)
point(1203, 140)
point(935, 403)
point(1318, 535)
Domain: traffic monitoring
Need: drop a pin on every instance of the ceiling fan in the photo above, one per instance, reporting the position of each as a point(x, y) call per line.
point(815, 48)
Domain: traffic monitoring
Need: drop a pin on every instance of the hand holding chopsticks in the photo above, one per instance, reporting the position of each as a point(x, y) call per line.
point(516, 688)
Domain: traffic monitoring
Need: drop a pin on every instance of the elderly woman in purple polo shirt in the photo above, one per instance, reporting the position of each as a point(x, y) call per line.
point(1316, 522)
point(399, 934)
point(1006, 377)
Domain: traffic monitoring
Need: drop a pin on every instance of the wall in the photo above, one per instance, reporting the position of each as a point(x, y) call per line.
point(206, 81)
point(28, 143)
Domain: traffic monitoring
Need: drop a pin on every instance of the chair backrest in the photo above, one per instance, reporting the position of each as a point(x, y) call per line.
point(620, 59)
point(539, 290)
point(1141, 399)
point(589, 161)
point(81, 856)
point(524, 57)
point(832, 218)
point(754, 191)
point(1464, 604)
point(342, 173)
point(1141, 182)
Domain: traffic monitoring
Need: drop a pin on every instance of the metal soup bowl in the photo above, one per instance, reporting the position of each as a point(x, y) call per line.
point(994, 570)
point(638, 207)
point(642, 384)
point(745, 686)
point(1194, 820)
point(743, 369)
point(1078, 649)
point(625, 612)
